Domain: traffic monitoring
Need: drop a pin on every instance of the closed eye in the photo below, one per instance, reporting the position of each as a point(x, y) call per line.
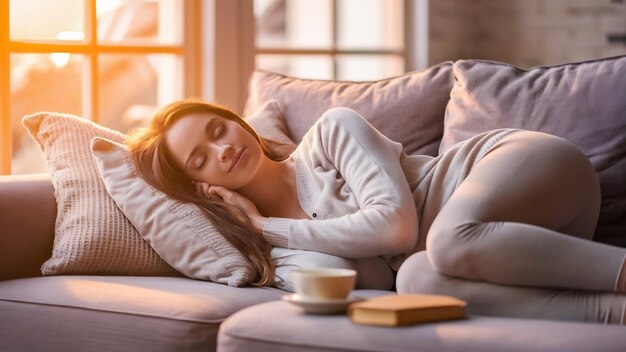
point(219, 131)
point(201, 164)
point(208, 129)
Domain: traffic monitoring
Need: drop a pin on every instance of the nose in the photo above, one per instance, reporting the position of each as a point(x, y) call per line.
point(225, 152)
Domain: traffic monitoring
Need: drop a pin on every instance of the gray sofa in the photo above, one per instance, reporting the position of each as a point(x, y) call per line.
point(133, 313)
point(451, 101)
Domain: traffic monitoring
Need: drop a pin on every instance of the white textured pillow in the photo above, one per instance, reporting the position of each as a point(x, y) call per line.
point(182, 235)
point(92, 236)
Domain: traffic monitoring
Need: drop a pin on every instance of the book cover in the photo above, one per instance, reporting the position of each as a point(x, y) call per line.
point(406, 309)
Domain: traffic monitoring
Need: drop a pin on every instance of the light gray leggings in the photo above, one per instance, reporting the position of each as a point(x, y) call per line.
point(524, 216)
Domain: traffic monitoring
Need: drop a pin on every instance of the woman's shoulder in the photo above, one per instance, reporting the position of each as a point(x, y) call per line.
point(341, 121)
point(332, 121)
point(342, 116)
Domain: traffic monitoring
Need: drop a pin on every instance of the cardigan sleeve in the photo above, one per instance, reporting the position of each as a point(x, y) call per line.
point(369, 162)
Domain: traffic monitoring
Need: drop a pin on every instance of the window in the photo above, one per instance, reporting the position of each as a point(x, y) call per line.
point(354, 40)
point(112, 61)
point(115, 61)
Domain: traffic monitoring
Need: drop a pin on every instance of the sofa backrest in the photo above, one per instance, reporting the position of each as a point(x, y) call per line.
point(27, 215)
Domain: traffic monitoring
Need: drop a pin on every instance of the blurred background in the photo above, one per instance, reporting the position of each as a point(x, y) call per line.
point(117, 61)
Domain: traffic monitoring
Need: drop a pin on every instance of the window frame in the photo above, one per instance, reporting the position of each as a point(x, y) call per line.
point(189, 50)
point(406, 53)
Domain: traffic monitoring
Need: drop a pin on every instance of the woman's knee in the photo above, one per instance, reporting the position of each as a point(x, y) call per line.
point(449, 248)
point(417, 275)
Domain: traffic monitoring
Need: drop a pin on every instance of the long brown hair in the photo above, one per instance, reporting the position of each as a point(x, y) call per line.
point(154, 163)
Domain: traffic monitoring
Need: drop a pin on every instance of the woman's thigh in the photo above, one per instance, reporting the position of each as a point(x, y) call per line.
point(531, 178)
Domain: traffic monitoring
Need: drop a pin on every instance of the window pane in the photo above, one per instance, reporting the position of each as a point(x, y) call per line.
point(293, 23)
point(368, 67)
point(58, 19)
point(370, 24)
point(133, 86)
point(146, 21)
point(303, 66)
point(41, 82)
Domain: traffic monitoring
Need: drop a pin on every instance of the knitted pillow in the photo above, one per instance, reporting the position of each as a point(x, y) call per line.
point(408, 109)
point(582, 102)
point(92, 236)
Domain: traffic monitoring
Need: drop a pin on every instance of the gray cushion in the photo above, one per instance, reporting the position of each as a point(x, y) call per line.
point(121, 313)
point(408, 108)
point(278, 326)
point(581, 102)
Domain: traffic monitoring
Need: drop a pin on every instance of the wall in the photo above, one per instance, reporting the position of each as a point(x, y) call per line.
point(525, 33)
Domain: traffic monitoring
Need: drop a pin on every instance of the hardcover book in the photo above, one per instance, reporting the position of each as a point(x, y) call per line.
point(406, 309)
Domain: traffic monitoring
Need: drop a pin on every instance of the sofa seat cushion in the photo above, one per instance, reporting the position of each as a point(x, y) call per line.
point(279, 326)
point(118, 312)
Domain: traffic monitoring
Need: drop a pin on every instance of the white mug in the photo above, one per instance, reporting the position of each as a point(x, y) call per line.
point(323, 283)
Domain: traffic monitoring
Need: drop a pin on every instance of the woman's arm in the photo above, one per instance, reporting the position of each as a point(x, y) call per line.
point(369, 162)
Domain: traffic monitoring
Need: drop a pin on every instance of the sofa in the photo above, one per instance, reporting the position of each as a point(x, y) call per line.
point(143, 300)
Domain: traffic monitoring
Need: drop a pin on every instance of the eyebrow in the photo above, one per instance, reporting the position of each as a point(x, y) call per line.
point(195, 149)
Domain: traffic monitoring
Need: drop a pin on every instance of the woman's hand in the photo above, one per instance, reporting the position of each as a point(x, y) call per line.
point(202, 188)
point(235, 199)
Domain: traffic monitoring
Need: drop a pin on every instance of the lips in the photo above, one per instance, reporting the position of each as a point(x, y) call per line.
point(236, 160)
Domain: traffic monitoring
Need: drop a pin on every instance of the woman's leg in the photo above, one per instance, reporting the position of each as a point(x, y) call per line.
point(523, 216)
point(416, 275)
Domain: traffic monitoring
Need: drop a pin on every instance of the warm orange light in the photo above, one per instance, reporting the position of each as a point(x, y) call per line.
point(70, 35)
point(61, 59)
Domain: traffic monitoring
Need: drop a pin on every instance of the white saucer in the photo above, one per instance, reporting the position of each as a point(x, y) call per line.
point(326, 306)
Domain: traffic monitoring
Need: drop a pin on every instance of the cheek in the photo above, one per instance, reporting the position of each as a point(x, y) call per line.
point(259, 155)
point(254, 155)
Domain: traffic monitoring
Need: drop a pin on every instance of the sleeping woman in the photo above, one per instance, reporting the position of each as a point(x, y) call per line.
point(510, 209)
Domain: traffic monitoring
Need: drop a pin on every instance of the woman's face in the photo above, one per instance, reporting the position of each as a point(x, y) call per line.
point(214, 150)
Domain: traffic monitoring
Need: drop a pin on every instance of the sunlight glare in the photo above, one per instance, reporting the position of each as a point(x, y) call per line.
point(61, 59)
point(70, 35)
point(103, 7)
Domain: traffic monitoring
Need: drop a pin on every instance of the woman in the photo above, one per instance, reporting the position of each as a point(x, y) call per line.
point(507, 207)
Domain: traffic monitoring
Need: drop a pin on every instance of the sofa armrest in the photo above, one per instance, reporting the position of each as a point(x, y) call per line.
point(27, 216)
